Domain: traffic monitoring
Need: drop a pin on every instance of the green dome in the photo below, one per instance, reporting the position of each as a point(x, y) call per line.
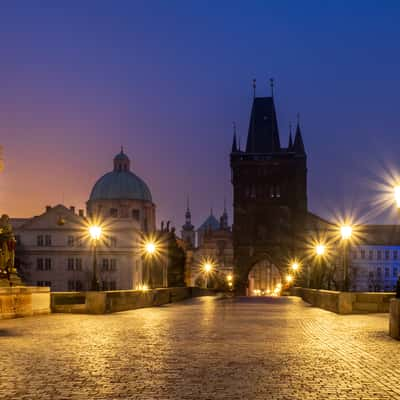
point(120, 184)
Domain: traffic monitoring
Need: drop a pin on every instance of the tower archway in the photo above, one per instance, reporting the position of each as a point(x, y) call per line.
point(264, 279)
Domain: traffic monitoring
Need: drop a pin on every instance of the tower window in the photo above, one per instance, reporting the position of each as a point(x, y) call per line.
point(136, 214)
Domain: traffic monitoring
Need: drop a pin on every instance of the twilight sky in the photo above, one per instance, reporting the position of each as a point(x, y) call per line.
point(167, 78)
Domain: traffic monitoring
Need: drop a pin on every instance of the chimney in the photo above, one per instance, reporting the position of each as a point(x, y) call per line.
point(81, 214)
point(72, 208)
point(48, 208)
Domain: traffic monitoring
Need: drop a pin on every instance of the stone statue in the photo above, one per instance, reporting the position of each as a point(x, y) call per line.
point(7, 248)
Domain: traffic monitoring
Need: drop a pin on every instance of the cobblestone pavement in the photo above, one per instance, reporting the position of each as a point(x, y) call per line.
point(248, 348)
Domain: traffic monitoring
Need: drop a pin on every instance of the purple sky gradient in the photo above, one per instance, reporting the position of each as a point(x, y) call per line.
point(166, 80)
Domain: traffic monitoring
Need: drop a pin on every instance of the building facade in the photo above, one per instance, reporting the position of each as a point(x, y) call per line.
point(54, 249)
point(210, 243)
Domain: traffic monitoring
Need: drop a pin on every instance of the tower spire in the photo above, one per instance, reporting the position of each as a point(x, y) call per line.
point(271, 84)
point(298, 145)
point(234, 145)
point(290, 137)
point(254, 88)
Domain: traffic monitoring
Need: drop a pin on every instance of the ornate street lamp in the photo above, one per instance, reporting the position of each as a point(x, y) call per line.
point(346, 232)
point(150, 248)
point(207, 268)
point(95, 232)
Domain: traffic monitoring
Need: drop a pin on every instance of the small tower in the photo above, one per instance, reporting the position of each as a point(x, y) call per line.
point(188, 233)
point(223, 221)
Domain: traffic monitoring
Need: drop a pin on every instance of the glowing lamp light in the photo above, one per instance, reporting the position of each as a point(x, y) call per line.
point(150, 247)
point(229, 278)
point(95, 232)
point(346, 232)
point(295, 266)
point(289, 278)
point(397, 195)
point(320, 249)
point(207, 267)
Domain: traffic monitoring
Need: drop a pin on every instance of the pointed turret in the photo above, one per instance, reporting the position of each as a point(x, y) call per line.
point(263, 135)
point(188, 233)
point(290, 145)
point(223, 221)
point(298, 145)
point(234, 145)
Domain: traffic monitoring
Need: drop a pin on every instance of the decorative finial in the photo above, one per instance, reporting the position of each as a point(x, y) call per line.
point(122, 149)
point(224, 204)
point(298, 118)
point(211, 211)
point(271, 83)
point(290, 127)
point(254, 88)
point(234, 127)
point(187, 202)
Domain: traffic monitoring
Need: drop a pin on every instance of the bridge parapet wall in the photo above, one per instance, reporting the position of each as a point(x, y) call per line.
point(104, 302)
point(346, 302)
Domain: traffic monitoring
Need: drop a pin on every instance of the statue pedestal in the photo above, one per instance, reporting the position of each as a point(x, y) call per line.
point(14, 280)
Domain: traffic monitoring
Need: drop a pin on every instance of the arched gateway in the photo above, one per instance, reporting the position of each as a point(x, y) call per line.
point(269, 194)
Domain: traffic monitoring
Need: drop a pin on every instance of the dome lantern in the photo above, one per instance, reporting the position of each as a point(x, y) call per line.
point(121, 162)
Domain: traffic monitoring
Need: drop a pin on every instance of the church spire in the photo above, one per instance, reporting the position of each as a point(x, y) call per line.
point(234, 145)
point(290, 145)
point(298, 146)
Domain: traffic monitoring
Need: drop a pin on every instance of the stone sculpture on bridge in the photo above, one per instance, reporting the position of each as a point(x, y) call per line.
point(8, 273)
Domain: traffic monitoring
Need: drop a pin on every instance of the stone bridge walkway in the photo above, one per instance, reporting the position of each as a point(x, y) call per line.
point(246, 348)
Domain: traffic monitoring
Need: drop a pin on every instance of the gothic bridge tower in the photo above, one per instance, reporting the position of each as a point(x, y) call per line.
point(269, 194)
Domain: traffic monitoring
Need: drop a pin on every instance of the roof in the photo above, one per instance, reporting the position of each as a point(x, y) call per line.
point(120, 185)
point(210, 223)
point(263, 135)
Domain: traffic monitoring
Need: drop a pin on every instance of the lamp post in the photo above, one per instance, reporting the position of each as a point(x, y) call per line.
point(397, 199)
point(346, 232)
point(229, 278)
point(95, 234)
point(207, 267)
point(150, 248)
point(320, 250)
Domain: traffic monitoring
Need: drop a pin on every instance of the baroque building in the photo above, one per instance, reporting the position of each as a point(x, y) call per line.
point(210, 243)
point(54, 248)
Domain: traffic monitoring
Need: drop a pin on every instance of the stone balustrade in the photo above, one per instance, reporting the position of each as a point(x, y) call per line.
point(23, 301)
point(120, 300)
point(346, 302)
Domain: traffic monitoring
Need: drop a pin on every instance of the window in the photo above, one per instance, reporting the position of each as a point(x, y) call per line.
point(39, 264)
point(114, 212)
point(39, 240)
point(371, 275)
point(78, 264)
point(363, 254)
point(47, 264)
point(387, 254)
point(379, 272)
point(79, 242)
point(70, 264)
point(395, 254)
point(371, 255)
point(395, 272)
point(136, 215)
point(47, 240)
point(379, 254)
point(104, 266)
point(43, 283)
point(71, 241)
point(71, 285)
point(113, 264)
point(113, 241)
point(387, 272)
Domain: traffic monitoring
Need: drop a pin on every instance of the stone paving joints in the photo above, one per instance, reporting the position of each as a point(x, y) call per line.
point(245, 348)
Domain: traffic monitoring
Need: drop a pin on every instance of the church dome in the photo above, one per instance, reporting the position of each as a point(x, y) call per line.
point(121, 183)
